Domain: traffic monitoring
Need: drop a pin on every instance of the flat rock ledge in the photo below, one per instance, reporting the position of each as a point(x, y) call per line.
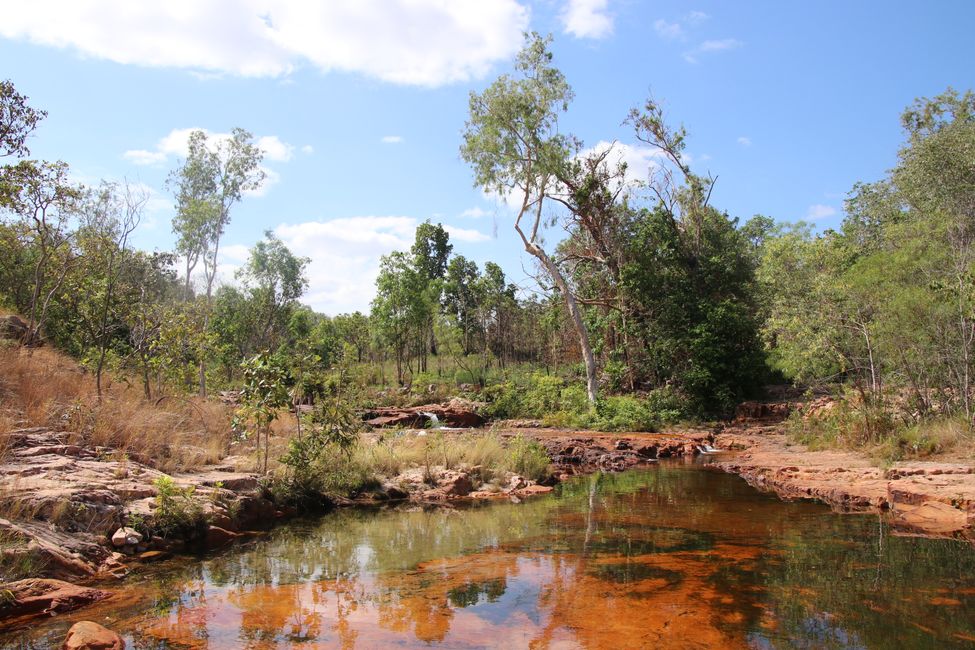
point(71, 500)
point(24, 600)
point(923, 498)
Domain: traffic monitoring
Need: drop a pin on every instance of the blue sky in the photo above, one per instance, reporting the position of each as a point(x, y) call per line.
point(359, 104)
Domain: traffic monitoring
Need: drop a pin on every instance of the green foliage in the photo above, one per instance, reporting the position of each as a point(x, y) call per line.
point(886, 305)
point(527, 458)
point(264, 393)
point(566, 405)
point(177, 512)
point(624, 413)
point(698, 317)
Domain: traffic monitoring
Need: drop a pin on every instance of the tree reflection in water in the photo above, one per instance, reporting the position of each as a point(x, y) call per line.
point(670, 556)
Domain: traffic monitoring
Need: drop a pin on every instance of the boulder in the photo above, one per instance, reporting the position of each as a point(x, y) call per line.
point(12, 328)
point(126, 536)
point(394, 492)
point(86, 635)
point(455, 484)
point(530, 490)
point(456, 413)
point(762, 411)
point(217, 537)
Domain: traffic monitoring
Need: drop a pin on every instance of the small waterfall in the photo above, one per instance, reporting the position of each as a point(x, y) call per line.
point(434, 420)
point(707, 449)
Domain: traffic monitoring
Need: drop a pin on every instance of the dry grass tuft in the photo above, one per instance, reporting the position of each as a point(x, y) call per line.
point(44, 388)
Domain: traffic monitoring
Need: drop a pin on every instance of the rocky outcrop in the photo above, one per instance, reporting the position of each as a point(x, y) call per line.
point(582, 452)
point(923, 498)
point(12, 328)
point(754, 412)
point(74, 505)
point(23, 600)
point(456, 413)
point(87, 635)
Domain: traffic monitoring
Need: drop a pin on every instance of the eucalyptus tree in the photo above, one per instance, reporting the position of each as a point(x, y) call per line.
point(401, 308)
point(109, 216)
point(513, 144)
point(275, 279)
point(17, 121)
point(45, 203)
point(430, 252)
point(214, 177)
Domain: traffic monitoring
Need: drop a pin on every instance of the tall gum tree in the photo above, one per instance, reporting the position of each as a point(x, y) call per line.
point(210, 181)
point(513, 144)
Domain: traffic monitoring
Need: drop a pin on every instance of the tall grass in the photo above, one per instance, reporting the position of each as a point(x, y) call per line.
point(486, 451)
point(43, 388)
point(848, 425)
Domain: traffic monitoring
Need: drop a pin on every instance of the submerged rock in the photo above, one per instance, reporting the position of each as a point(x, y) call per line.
point(86, 635)
point(217, 537)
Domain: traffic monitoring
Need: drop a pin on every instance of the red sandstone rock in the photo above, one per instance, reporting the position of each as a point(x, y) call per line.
point(925, 498)
point(42, 597)
point(86, 635)
point(455, 484)
point(530, 490)
point(451, 414)
point(217, 537)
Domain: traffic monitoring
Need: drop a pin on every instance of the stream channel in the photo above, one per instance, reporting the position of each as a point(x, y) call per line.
point(676, 555)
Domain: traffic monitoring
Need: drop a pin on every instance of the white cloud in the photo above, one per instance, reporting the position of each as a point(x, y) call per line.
point(710, 47)
point(175, 144)
point(717, 46)
point(275, 149)
point(143, 157)
point(744, 141)
point(392, 139)
point(474, 213)
point(271, 178)
point(345, 255)
point(308, 149)
point(640, 161)
point(417, 42)
point(468, 235)
point(587, 19)
point(819, 211)
point(670, 31)
point(677, 30)
point(234, 253)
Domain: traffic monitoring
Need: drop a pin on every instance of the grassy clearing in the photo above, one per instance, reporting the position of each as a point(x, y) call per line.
point(43, 388)
point(349, 472)
point(392, 455)
point(849, 426)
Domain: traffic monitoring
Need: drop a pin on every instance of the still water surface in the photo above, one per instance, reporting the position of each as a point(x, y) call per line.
point(670, 557)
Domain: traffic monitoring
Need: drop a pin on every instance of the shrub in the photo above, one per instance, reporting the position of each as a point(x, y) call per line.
point(504, 401)
point(925, 438)
point(668, 404)
point(323, 461)
point(544, 395)
point(624, 413)
point(177, 512)
point(527, 458)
